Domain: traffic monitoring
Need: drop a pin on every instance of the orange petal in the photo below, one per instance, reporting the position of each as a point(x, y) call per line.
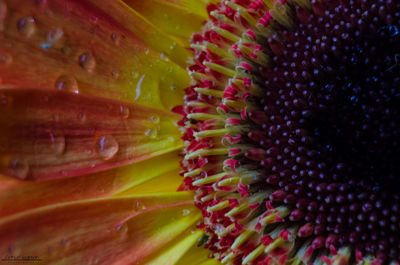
point(95, 47)
point(17, 196)
point(50, 134)
point(124, 230)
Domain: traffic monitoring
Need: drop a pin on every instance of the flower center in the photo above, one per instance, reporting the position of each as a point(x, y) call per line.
point(292, 133)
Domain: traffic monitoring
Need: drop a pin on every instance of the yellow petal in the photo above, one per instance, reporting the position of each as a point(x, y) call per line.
point(167, 182)
point(210, 262)
point(125, 230)
point(175, 19)
point(17, 196)
point(174, 253)
point(197, 255)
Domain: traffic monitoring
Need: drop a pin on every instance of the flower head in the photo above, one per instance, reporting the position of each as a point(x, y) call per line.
point(292, 131)
point(289, 120)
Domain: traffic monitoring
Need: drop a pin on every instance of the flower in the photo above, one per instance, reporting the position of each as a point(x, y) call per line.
point(89, 162)
point(289, 121)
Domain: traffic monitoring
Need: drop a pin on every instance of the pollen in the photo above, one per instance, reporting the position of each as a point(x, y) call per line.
point(292, 131)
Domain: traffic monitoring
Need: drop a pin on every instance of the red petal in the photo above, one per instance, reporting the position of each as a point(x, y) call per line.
point(52, 134)
point(101, 48)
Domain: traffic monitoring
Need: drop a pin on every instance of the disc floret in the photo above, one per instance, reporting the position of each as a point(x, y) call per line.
point(291, 131)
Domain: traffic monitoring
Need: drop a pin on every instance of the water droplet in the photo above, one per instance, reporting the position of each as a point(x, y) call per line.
point(49, 250)
point(46, 46)
point(10, 249)
point(67, 83)
point(135, 75)
point(152, 133)
point(139, 87)
point(56, 117)
point(4, 100)
point(3, 11)
point(18, 168)
point(139, 206)
point(124, 112)
point(146, 51)
point(116, 39)
point(163, 57)
point(94, 19)
point(172, 46)
point(52, 144)
point(93, 261)
point(155, 119)
point(87, 61)
point(26, 26)
point(107, 147)
point(54, 35)
point(115, 74)
point(65, 243)
point(185, 212)
point(81, 117)
point(122, 228)
point(171, 139)
point(173, 87)
point(41, 3)
point(5, 59)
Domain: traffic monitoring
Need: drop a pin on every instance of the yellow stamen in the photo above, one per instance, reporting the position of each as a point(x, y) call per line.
point(198, 76)
point(242, 238)
point(220, 69)
point(269, 3)
point(243, 12)
point(226, 34)
point(198, 47)
point(203, 116)
point(217, 50)
point(211, 133)
point(254, 254)
point(261, 57)
point(237, 209)
point(219, 206)
point(234, 104)
point(277, 243)
point(207, 152)
point(221, 17)
point(228, 257)
point(209, 92)
point(208, 180)
point(225, 231)
point(192, 173)
point(269, 219)
point(281, 212)
point(250, 177)
point(212, 195)
point(280, 13)
point(199, 104)
point(229, 182)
